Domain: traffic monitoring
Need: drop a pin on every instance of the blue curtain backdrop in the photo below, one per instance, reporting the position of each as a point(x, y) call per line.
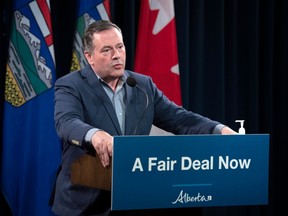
point(233, 62)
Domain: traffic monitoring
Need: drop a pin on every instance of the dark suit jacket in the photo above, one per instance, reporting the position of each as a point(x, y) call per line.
point(81, 103)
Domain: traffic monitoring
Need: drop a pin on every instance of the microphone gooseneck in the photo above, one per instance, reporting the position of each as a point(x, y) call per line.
point(131, 81)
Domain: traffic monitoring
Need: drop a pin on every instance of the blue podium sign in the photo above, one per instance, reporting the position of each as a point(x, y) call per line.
point(150, 172)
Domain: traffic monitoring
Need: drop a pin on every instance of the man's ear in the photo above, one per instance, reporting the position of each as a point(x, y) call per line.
point(88, 56)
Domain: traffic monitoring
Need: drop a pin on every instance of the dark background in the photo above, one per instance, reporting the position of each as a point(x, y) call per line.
point(233, 58)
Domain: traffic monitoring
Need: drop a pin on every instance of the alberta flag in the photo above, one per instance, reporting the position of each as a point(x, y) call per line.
point(88, 12)
point(30, 147)
point(156, 50)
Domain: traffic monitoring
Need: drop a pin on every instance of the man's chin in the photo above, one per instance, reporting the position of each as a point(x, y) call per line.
point(118, 72)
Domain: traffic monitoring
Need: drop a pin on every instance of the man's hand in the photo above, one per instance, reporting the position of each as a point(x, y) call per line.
point(226, 130)
point(103, 143)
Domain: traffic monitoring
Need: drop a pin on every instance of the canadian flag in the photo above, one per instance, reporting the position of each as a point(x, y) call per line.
point(156, 51)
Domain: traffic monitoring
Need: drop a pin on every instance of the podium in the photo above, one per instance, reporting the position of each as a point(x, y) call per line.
point(152, 172)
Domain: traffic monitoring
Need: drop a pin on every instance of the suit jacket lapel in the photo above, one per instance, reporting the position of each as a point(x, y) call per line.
point(97, 87)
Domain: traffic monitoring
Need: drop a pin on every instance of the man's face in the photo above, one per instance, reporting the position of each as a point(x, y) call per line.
point(109, 55)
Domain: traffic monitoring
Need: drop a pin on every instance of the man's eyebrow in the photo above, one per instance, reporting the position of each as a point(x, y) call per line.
point(106, 46)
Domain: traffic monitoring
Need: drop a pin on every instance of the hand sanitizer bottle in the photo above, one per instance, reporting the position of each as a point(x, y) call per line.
point(241, 129)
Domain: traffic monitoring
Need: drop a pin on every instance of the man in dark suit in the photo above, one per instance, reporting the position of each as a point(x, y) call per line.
point(103, 100)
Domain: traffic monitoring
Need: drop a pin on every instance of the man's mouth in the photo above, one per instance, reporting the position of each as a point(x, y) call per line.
point(117, 66)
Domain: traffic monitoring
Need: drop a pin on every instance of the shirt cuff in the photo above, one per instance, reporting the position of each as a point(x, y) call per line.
point(218, 128)
point(89, 134)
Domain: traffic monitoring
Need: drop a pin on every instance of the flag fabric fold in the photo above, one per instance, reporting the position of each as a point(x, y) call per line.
point(156, 50)
point(31, 149)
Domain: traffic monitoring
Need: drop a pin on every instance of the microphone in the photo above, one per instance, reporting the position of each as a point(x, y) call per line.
point(131, 81)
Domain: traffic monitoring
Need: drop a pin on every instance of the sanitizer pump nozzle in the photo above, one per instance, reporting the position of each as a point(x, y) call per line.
point(241, 129)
